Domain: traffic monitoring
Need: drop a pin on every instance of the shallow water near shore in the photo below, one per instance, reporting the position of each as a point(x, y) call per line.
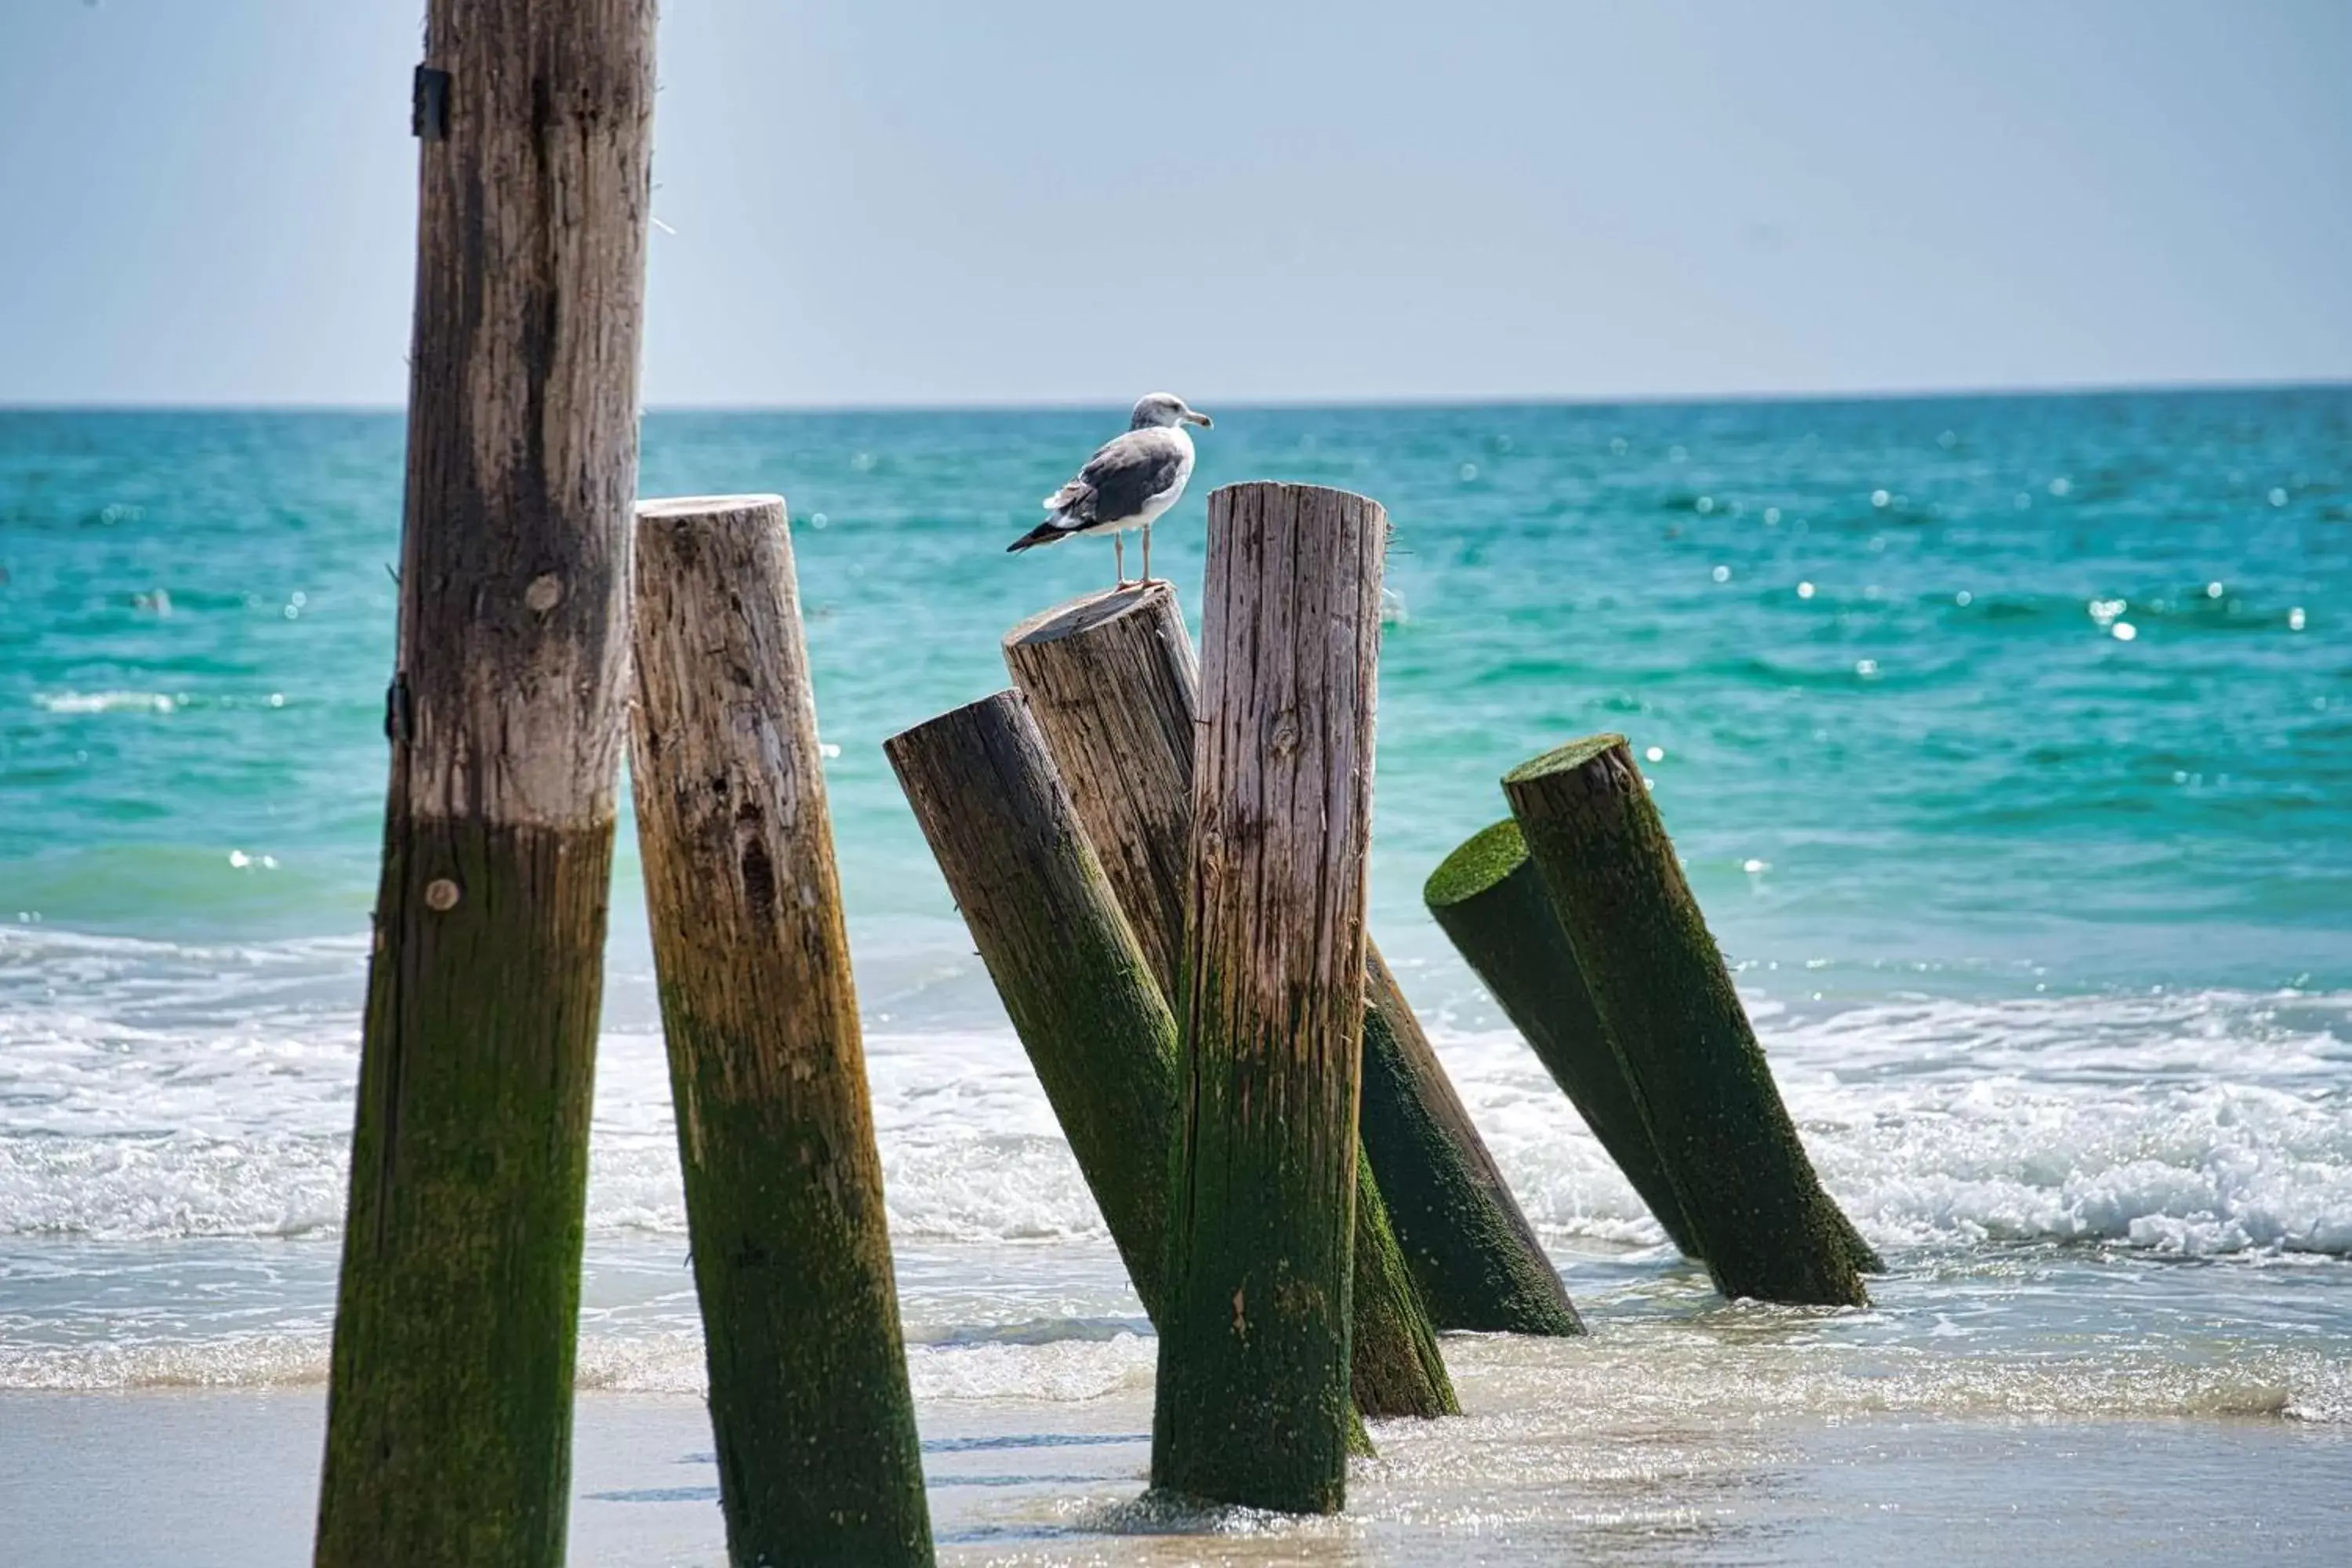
point(2006, 741)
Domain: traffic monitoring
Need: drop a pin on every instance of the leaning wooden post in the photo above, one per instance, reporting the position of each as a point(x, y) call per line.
point(1113, 682)
point(1487, 897)
point(1032, 894)
point(1253, 1387)
point(818, 1457)
point(1091, 1015)
point(449, 1398)
point(1662, 990)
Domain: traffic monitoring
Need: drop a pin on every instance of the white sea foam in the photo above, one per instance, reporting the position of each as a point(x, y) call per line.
point(108, 702)
point(150, 1091)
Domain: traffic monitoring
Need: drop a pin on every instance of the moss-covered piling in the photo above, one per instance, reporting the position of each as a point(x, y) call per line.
point(1488, 900)
point(1665, 997)
point(1091, 1016)
point(449, 1391)
point(818, 1457)
point(1114, 685)
point(1253, 1387)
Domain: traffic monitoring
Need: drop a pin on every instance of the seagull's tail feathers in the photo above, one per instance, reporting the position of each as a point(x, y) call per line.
point(1051, 531)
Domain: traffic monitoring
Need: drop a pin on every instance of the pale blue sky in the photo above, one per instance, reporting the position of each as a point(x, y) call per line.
point(888, 201)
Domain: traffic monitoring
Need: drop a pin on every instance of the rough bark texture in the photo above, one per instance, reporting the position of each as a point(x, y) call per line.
point(449, 1399)
point(1091, 1016)
point(1115, 687)
point(1763, 1223)
point(818, 1458)
point(1487, 897)
point(1253, 1372)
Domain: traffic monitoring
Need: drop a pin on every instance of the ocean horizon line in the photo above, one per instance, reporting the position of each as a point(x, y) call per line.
point(2051, 392)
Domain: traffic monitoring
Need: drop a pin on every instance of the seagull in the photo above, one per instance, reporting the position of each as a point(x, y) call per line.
point(1129, 481)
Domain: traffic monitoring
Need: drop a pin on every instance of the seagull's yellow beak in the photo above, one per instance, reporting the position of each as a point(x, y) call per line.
point(1194, 416)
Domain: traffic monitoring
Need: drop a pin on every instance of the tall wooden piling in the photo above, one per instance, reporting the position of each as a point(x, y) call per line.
point(1093, 1022)
point(1115, 687)
point(818, 1458)
point(1252, 1393)
point(1487, 897)
point(449, 1399)
point(1661, 989)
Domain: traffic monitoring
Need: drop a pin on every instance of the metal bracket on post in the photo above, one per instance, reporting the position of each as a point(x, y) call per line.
point(399, 716)
point(428, 105)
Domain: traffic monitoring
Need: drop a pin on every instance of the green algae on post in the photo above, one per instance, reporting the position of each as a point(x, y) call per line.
point(790, 1241)
point(1033, 896)
point(1662, 990)
point(1097, 1030)
point(1488, 900)
point(1113, 683)
point(1250, 1403)
point(456, 1318)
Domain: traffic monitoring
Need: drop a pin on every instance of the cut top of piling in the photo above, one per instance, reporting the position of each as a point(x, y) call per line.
point(681, 509)
point(1558, 759)
point(1086, 614)
point(1482, 860)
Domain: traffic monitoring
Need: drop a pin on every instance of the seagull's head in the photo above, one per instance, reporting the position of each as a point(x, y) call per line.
point(1165, 408)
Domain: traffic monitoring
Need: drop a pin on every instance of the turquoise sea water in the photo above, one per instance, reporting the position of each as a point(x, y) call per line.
point(2009, 741)
point(1880, 646)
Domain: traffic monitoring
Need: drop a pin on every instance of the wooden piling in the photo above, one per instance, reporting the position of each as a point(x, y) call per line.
point(1091, 1016)
point(449, 1397)
point(1660, 987)
point(1252, 1392)
point(818, 1457)
point(1487, 897)
point(1115, 687)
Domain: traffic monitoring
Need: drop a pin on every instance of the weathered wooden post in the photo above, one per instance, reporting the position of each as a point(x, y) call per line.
point(449, 1401)
point(1115, 687)
point(1487, 897)
point(1252, 1394)
point(1091, 1015)
point(818, 1460)
point(1660, 987)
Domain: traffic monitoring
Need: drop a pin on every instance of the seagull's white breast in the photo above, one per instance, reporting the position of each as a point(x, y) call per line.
point(1161, 500)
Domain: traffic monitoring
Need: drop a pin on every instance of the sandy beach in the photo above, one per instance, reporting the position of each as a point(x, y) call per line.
point(226, 1479)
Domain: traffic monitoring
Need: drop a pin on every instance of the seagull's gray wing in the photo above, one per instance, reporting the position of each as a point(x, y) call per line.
point(1117, 480)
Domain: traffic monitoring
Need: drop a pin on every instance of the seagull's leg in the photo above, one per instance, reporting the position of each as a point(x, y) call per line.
point(1147, 554)
point(1118, 553)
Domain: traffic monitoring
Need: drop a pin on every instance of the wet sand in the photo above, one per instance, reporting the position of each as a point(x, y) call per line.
point(199, 1479)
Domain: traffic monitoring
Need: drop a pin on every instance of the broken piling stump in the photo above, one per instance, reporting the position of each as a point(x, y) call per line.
point(1251, 1400)
point(1114, 685)
point(1659, 985)
point(818, 1457)
point(1092, 1019)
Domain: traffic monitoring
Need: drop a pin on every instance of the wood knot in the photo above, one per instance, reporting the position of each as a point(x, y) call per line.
point(546, 591)
point(441, 895)
point(1283, 740)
